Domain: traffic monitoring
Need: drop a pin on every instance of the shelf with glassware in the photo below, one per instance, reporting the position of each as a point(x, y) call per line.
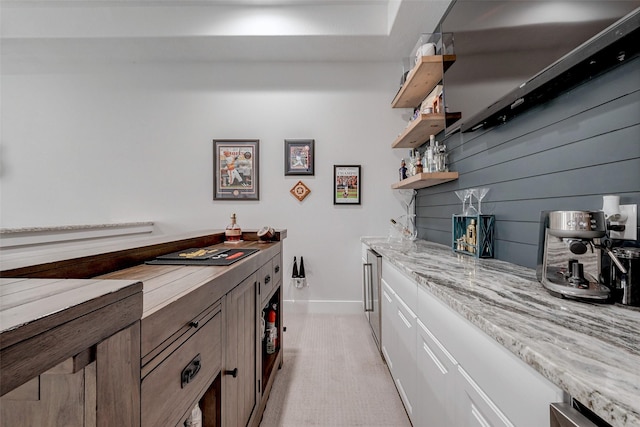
point(424, 180)
point(422, 90)
point(421, 79)
point(418, 130)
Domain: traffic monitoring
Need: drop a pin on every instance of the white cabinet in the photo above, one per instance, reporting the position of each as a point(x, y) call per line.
point(436, 378)
point(475, 408)
point(388, 329)
point(399, 301)
point(447, 371)
point(493, 386)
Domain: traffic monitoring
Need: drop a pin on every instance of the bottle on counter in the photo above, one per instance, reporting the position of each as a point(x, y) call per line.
point(472, 238)
point(233, 232)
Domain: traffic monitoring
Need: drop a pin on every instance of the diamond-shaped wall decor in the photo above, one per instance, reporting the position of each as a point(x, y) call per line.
point(300, 191)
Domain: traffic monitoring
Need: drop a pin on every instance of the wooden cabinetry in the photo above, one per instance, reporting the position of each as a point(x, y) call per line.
point(421, 80)
point(190, 336)
point(70, 348)
point(240, 395)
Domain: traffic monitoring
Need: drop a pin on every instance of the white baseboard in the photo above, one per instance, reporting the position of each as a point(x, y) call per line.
point(323, 306)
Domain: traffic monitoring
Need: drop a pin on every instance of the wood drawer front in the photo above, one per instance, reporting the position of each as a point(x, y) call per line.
point(164, 401)
point(277, 268)
point(266, 280)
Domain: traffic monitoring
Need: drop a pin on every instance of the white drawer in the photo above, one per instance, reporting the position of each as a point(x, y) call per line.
point(402, 285)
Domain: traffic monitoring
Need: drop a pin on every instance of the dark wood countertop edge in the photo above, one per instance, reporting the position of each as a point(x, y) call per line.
point(92, 265)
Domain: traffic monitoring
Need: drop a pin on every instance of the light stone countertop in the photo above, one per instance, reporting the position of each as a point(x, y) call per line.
point(591, 351)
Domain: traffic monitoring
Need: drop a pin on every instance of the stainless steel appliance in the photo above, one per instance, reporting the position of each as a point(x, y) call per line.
point(371, 275)
point(565, 415)
point(569, 251)
point(626, 285)
point(574, 415)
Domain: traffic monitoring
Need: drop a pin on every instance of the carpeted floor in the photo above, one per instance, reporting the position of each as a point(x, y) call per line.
point(332, 375)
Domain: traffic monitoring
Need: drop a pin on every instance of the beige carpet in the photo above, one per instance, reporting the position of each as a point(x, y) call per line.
point(332, 376)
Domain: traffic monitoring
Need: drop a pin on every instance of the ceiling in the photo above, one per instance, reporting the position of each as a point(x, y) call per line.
point(284, 30)
point(216, 30)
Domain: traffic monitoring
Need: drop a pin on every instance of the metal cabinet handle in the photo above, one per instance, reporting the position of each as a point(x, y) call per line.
point(267, 279)
point(277, 269)
point(367, 285)
point(233, 373)
point(190, 371)
point(194, 324)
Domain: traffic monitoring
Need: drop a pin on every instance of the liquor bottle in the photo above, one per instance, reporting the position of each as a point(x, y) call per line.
point(472, 238)
point(302, 273)
point(403, 170)
point(233, 233)
point(294, 273)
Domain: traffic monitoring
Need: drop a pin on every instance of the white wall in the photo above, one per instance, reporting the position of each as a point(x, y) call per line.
point(133, 142)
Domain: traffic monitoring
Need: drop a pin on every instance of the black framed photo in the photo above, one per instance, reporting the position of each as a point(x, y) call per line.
point(347, 183)
point(235, 169)
point(299, 156)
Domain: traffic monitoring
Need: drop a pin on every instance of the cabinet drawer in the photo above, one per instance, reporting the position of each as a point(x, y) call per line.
point(269, 275)
point(277, 268)
point(265, 280)
point(402, 285)
point(477, 408)
point(164, 397)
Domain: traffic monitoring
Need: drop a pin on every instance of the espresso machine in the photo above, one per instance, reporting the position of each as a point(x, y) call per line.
point(570, 252)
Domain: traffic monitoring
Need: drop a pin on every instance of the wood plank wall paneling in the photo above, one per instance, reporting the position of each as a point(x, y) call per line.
point(562, 155)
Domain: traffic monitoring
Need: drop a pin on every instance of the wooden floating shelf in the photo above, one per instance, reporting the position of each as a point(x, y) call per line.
point(422, 78)
point(419, 130)
point(424, 180)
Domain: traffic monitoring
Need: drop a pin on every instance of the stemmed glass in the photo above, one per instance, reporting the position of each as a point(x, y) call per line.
point(406, 223)
point(479, 194)
point(463, 195)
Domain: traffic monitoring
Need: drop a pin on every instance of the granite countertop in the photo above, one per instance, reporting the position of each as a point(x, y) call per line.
point(591, 351)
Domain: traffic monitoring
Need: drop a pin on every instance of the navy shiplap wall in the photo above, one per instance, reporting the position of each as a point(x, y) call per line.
point(563, 155)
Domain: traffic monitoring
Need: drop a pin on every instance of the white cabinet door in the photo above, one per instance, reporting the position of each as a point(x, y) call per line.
point(399, 344)
point(389, 346)
point(476, 408)
point(436, 378)
point(404, 372)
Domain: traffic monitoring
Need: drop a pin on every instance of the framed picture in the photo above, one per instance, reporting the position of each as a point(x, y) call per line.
point(235, 169)
point(347, 183)
point(299, 156)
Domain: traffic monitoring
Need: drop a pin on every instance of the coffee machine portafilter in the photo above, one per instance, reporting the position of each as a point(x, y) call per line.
point(569, 254)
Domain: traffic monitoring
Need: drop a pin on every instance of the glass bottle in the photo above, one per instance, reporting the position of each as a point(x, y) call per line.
point(431, 166)
point(233, 233)
point(472, 238)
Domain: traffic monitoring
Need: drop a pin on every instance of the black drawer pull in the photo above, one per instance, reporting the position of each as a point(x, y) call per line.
point(233, 373)
point(267, 279)
point(277, 268)
point(190, 371)
point(194, 324)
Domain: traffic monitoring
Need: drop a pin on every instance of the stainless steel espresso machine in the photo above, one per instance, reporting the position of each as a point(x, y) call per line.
point(569, 255)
